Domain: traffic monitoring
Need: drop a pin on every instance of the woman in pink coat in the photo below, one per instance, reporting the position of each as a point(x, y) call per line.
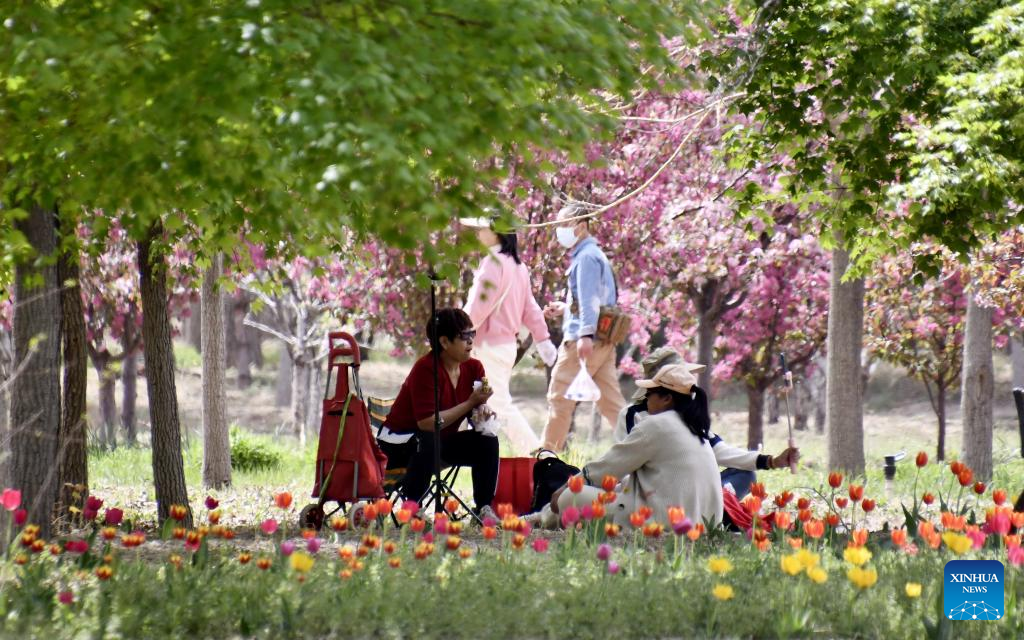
point(499, 302)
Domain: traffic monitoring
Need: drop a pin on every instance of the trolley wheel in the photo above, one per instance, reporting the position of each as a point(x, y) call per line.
point(311, 517)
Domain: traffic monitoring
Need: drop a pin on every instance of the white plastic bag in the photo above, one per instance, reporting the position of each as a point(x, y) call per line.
point(583, 388)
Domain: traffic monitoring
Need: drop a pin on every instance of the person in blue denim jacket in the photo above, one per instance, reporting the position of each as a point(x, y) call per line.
point(590, 284)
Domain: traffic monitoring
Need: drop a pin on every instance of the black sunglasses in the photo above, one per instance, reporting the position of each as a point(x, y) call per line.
point(467, 335)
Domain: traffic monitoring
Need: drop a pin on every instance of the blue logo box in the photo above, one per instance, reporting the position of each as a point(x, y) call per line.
point(973, 590)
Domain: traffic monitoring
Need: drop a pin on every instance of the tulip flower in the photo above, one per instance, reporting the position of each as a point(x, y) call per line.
point(598, 509)
point(301, 562)
point(835, 479)
point(540, 545)
point(841, 502)
point(752, 505)
point(518, 540)
point(417, 525)
point(269, 526)
point(899, 537)
point(782, 499)
point(928, 498)
point(505, 510)
point(451, 505)
point(653, 530)
point(244, 557)
point(979, 488)
point(856, 556)
point(856, 492)
point(10, 499)
point(675, 514)
point(814, 528)
point(862, 578)
point(287, 547)
point(20, 517)
point(587, 513)
point(313, 545)
point(608, 483)
point(283, 500)
point(966, 476)
point(791, 564)
point(804, 515)
point(1015, 556)
point(178, 512)
point(803, 503)
point(868, 505)
point(611, 530)
point(832, 519)
point(722, 592)
point(796, 543)
point(489, 533)
point(570, 516)
point(956, 467)
point(394, 562)
point(817, 575)
point(66, 597)
point(604, 551)
point(613, 567)
point(922, 459)
point(682, 527)
point(957, 543)
point(912, 589)
point(104, 572)
point(999, 497)
point(952, 522)
point(757, 490)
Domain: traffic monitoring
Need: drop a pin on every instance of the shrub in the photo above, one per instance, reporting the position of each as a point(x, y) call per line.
point(248, 454)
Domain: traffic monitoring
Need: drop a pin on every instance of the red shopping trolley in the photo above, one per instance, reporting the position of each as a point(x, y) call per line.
point(349, 464)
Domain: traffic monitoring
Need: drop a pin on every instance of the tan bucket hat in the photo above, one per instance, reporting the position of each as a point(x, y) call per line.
point(675, 377)
point(659, 358)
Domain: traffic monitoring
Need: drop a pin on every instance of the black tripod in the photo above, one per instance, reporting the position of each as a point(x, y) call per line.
point(441, 486)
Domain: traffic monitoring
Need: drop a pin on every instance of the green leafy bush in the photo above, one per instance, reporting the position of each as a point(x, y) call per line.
point(248, 454)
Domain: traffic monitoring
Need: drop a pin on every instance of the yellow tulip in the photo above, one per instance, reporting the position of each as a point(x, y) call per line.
point(719, 565)
point(722, 592)
point(808, 559)
point(863, 578)
point(301, 562)
point(913, 590)
point(817, 574)
point(856, 555)
point(791, 564)
point(958, 543)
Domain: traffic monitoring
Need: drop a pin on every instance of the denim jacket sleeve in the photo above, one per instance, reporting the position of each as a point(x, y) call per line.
point(589, 277)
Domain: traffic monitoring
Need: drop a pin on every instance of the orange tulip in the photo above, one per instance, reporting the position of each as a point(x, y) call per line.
point(104, 572)
point(1012, 540)
point(389, 547)
point(611, 530)
point(264, 563)
point(835, 479)
point(899, 537)
point(782, 499)
point(599, 510)
point(518, 540)
point(636, 519)
point(856, 492)
point(695, 533)
point(346, 552)
point(576, 483)
point(757, 490)
point(796, 543)
point(752, 504)
point(178, 512)
point(832, 519)
point(244, 557)
point(804, 515)
point(308, 533)
point(465, 552)
point(966, 476)
point(403, 516)
point(453, 542)
point(858, 538)
point(369, 513)
point(782, 520)
point(925, 529)
point(761, 540)
point(952, 522)
point(646, 511)
point(999, 497)
point(214, 517)
point(653, 529)
point(489, 533)
point(451, 505)
point(384, 506)
point(371, 541)
point(676, 514)
point(395, 562)
point(1017, 519)
point(814, 528)
point(417, 525)
point(283, 500)
point(922, 459)
point(607, 497)
point(504, 510)
point(608, 483)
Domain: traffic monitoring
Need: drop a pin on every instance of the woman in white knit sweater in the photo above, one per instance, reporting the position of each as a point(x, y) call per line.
point(668, 457)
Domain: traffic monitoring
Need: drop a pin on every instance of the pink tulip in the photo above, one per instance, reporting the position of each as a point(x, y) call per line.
point(570, 516)
point(11, 499)
point(489, 521)
point(540, 545)
point(66, 597)
point(113, 517)
point(287, 547)
point(604, 551)
point(613, 567)
point(211, 503)
point(269, 526)
point(428, 537)
point(313, 545)
point(587, 513)
point(411, 506)
point(441, 526)
point(526, 528)
point(1015, 555)
point(977, 538)
point(682, 527)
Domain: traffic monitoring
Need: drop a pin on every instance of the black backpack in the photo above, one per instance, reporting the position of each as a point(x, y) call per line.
point(548, 475)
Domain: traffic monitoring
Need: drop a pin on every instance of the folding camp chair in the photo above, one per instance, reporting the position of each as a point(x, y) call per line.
point(399, 448)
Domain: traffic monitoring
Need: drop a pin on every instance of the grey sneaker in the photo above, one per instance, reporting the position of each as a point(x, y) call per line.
point(486, 512)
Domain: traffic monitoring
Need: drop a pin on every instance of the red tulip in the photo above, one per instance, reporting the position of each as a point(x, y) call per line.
point(608, 483)
point(576, 483)
point(956, 467)
point(841, 502)
point(113, 517)
point(868, 505)
point(835, 479)
point(856, 492)
point(965, 477)
point(283, 500)
point(922, 459)
point(999, 497)
point(211, 503)
point(833, 519)
point(927, 498)
point(20, 516)
point(757, 490)
point(803, 503)
point(979, 488)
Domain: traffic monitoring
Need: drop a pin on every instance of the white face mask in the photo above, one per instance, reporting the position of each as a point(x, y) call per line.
point(566, 236)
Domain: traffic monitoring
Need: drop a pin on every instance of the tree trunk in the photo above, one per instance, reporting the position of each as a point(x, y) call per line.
point(845, 341)
point(772, 402)
point(216, 447)
point(755, 417)
point(158, 350)
point(108, 407)
point(283, 388)
point(129, 387)
point(255, 339)
point(803, 404)
point(242, 355)
point(301, 371)
point(819, 394)
point(194, 326)
point(35, 404)
point(73, 439)
point(1017, 359)
point(978, 387)
point(706, 333)
point(940, 413)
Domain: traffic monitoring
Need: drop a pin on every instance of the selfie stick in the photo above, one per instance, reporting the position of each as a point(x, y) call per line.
point(787, 377)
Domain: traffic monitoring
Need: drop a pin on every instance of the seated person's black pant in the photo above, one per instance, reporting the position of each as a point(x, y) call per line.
point(463, 448)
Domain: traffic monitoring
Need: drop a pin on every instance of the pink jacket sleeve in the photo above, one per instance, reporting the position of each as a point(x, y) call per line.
point(484, 292)
point(533, 317)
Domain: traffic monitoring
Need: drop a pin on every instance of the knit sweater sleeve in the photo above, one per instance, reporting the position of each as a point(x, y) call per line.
point(533, 317)
point(484, 292)
point(729, 456)
point(623, 457)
